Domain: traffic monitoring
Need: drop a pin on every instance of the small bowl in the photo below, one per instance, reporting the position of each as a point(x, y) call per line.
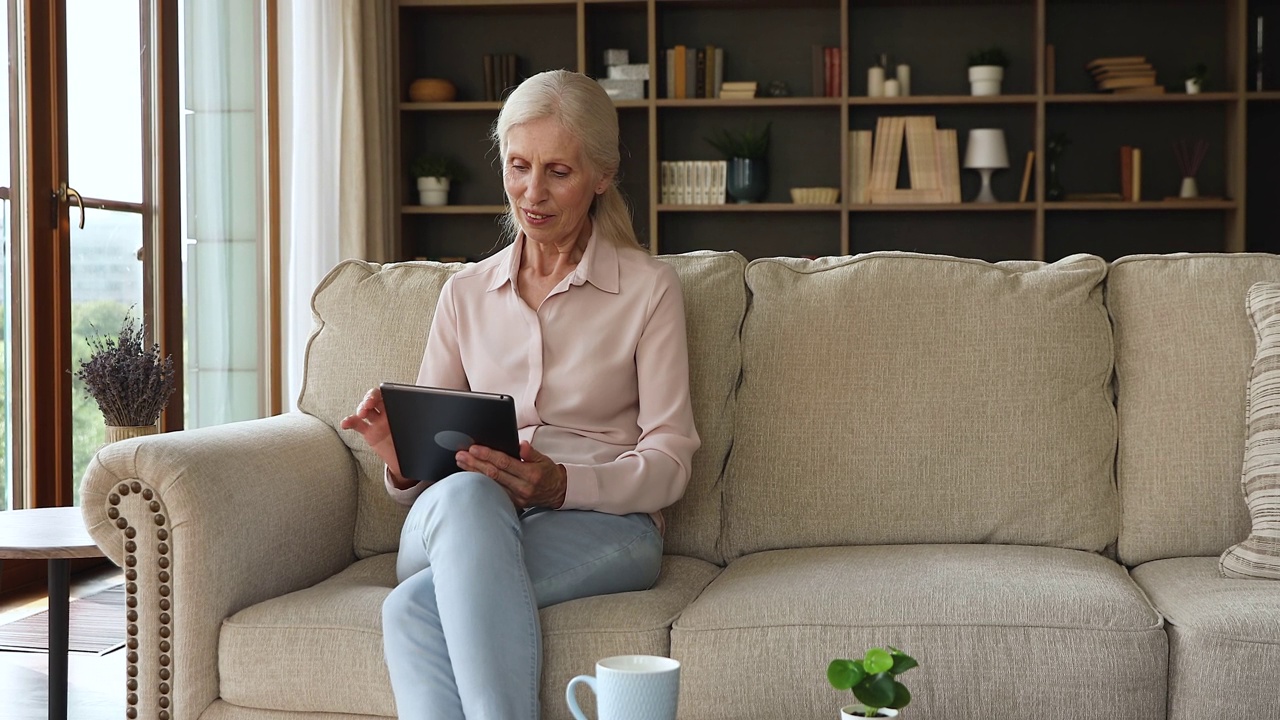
point(815, 195)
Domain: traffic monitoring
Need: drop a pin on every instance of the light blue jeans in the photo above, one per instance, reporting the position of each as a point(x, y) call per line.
point(461, 631)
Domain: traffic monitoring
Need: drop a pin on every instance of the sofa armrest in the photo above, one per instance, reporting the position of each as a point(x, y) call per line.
point(207, 522)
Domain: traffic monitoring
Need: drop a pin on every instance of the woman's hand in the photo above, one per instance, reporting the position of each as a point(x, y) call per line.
point(370, 420)
point(533, 480)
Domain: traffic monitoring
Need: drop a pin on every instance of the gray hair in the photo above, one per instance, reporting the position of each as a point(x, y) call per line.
point(585, 110)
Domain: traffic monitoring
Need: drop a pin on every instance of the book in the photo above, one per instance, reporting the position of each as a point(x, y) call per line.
point(1126, 172)
point(1124, 60)
point(1026, 176)
point(1126, 82)
point(691, 72)
point(679, 62)
point(719, 74)
point(669, 73)
point(700, 73)
point(859, 165)
point(1093, 197)
point(949, 163)
point(1137, 175)
point(488, 78)
point(709, 72)
point(922, 153)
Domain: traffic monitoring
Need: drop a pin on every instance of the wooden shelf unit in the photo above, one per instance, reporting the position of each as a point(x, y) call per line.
point(447, 38)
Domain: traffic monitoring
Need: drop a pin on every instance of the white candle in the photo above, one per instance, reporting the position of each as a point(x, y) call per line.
point(891, 88)
point(875, 81)
point(904, 79)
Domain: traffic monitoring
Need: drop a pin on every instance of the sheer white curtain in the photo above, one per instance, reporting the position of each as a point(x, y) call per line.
point(334, 152)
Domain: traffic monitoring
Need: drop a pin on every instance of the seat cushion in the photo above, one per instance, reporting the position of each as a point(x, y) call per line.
point(1224, 639)
point(371, 326)
point(279, 655)
point(1070, 632)
point(952, 400)
point(1183, 349)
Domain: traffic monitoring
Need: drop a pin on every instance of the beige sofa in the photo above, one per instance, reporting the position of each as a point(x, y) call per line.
point(940, 454)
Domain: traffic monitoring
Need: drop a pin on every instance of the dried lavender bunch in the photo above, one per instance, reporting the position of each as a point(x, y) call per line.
point(129, 380)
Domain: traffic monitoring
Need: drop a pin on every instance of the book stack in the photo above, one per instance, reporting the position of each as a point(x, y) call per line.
point(693, 182)
point(1130, 173)
point(1124, 75)
point(741, 90)
point(933, 162)
point(692, 72)
point(825, 71)
point(501, 73)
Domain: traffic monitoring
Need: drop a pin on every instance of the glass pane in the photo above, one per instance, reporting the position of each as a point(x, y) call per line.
point(106, 286)
point(104, 99)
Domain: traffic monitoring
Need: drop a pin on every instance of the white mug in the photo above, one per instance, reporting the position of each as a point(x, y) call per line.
point(631, 687)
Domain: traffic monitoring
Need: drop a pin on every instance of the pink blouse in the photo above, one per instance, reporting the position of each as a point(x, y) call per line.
point(599, 372)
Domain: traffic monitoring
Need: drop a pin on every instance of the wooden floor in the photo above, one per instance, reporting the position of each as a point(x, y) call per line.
point(96, 687)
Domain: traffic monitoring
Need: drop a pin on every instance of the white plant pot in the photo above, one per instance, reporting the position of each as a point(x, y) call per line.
point(985, 79)
point(433, 191)
point(859, 712)
point(1189, 189)
point(1193, 86)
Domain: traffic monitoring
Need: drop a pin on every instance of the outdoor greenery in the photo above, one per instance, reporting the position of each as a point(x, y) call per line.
point(88, 431)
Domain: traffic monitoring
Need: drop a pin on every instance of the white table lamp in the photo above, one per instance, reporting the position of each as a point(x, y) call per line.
point(985, 153)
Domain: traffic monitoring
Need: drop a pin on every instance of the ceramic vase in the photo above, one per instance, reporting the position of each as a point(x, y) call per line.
point(985, 79)
point(854, 712)
point(116, 433)
point(748, 179)
point(433, 191)
point(1193, 86)
point(1053, 186)
point(1189, 189)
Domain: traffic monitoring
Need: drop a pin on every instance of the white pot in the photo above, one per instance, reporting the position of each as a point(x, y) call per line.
point(854, 712)
point(1193, 86)
point(985, 79)
point(433, 191)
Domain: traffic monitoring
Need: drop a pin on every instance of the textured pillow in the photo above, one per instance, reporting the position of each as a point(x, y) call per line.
point(1259, 555)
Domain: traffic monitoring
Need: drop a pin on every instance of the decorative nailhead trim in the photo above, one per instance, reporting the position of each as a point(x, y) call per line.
point(131, 589)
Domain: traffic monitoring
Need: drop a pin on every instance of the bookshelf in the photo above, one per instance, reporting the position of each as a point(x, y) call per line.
point(771, 40)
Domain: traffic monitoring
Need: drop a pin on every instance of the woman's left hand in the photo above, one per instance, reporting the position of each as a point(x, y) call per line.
point(533, 480)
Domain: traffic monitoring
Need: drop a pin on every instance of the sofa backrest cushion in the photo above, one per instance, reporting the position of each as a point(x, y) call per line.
point(895, 398)
point(371, 326)
point(1184, 346)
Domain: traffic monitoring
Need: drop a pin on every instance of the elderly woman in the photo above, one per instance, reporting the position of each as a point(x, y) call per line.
point(586, 331)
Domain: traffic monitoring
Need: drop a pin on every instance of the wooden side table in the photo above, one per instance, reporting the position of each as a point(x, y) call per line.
point(56, 535)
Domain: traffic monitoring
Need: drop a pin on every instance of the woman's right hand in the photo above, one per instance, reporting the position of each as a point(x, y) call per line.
point(370, 420)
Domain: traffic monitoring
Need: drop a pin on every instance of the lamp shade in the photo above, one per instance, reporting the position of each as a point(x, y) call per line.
point(986, 149)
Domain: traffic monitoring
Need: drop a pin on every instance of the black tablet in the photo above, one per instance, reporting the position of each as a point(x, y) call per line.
point(430, 425)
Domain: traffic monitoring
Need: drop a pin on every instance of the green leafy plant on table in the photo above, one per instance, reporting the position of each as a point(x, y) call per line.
point(873, 679)
point(750, 144)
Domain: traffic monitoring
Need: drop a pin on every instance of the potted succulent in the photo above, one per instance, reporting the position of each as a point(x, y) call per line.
point(873, 680)
point(128, 379)
point(434, 172)
point(1195, 77)
point(986, 70)
point(748, 171)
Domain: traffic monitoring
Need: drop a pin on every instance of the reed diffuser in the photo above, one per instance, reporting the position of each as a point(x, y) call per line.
point(1189, 155)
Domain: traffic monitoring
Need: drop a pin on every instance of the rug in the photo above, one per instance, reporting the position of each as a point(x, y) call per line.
point(97, 626)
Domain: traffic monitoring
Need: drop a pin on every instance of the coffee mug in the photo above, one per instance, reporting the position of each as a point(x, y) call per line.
point(631, 687)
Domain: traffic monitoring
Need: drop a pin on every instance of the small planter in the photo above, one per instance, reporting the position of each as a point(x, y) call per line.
point(985, 79)
point(1189, 188)
point(748, 179)
point(433, 191)
point(1193, 86)
point(115, 433)
point(853, 712)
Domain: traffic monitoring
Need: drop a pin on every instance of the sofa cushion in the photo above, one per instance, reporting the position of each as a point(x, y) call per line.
point(279, 655)
point(1259, 555)
point(1224, 639)
point(1183, 351)
point(371, 326)
point(899, 398)
point(1062, 626)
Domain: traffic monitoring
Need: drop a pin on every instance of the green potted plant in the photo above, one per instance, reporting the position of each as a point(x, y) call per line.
point(748, 170)
point(1195, 77)
point(434, 172)
point(986, 70)
point(873, 680)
